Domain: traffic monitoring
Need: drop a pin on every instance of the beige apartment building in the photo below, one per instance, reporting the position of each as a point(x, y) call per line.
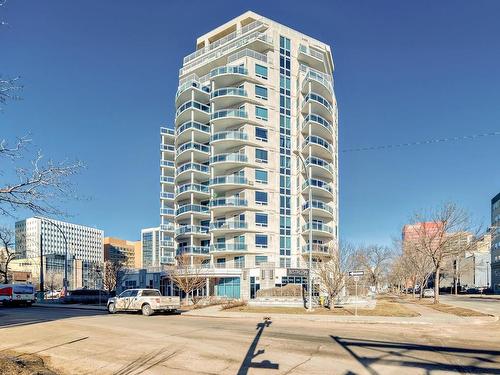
point(256, 130)
point(116, 249)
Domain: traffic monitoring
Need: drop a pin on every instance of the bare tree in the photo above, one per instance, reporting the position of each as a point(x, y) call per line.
point(36, 184)
point(188, 277)
point(7, 253)
point(332, 273)
point(8, 89)
point(53, 280)
point(113, 274)
point(438, 235)
point(374, 260)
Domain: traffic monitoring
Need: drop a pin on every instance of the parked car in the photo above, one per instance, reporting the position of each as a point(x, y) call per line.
point(148, 301)
point(428, 293)
point(17, 294)
point(86, 296)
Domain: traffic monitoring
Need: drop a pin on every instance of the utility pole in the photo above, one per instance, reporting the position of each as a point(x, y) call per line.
point(42, 286)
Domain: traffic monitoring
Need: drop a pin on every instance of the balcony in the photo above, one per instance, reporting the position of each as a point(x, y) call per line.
point(229, 117)
point(167, 131)
point(319, 126)
point(318, 229)
point(197, 210)
point(229, 226)
point(321, 168)
point(193, 250)
point(312, 57)
point(195, 230)
point(221, 205)
point(167, 148)
point(192, 83)
point(167, 211)
point(167, 196)
point(167, 179)
point(228, 161)
point(199, 191)
point(317, 249)
point(320, 82)
point(228, 96)
point(167, 163)
point(320, 188)
point(200, 151)
point(167, 243)
point(200, 171)
point(224, 183)
point(167, 227)
point(228, 75)
point(320, 209)
point(201, 112)
point(318, 105)
point(185, 130)
point(319, 147)
point(167, 260)
point(228, 248)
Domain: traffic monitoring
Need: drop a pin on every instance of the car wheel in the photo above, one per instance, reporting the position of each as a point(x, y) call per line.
point(111, 308)
point(147, 310)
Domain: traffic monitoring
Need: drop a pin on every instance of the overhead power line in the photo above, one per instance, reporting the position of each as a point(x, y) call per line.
point(419, 143)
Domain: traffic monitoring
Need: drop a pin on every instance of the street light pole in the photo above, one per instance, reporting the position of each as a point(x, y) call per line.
point(308, 176)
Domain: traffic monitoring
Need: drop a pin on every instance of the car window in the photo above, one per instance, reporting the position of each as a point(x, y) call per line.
point(150, 293)
point(125, 294)
point(133, 293)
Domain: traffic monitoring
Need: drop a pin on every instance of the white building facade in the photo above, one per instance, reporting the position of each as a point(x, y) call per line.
point(234, 195)
point(150, 248)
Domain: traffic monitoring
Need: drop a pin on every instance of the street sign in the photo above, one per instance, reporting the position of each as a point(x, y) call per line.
point(356, 278)
point(356, 273)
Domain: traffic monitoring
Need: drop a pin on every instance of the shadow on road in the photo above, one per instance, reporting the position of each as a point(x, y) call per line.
point(423, 357)
point(251, 353)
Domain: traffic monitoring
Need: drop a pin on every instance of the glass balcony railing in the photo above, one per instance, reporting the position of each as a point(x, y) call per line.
point(167, 179)
point(192, 125)
point(192, 104)
point(228, 247)
point(228, 202)
point(318, 227)
point(318, 120)
point(192, 208)
point(311, 52)
point(193, 146)
point(316, 248)
point(234, 224)
point(320, 163)
point(228, 70)
point(239, 113)
point(166, 195)
point(167, 131)
point(319, 184)
point(167, 243)
point(193, 167)
point(318, 205)
point(188, 229)
point(318, 141)
point(191, 83)
point(192, 187)
point(167, 163)
point(229, 91)
point(168, 148)
point(196, 250)
point(167, 260)
point(167, 211)
point(230, 135)
point(167, 227)
point(319, 77)
point(237, 158)
point(237, 180)
point(247, 52)
point(319, 99)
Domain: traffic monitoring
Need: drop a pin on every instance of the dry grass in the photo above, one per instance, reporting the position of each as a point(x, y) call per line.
point(21, 364)
point(233, 304)
point(384, 308)
point(454, 310)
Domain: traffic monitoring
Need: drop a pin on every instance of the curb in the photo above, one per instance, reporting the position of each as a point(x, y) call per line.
point(68, 307)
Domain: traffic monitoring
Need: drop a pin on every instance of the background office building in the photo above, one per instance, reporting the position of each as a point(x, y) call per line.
point(252, 94)
point(124, 251)
point(150, 248)
point(85, 248)
point(495, 243)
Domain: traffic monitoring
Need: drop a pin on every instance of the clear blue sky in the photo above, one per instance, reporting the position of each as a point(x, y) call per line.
point(100, 78)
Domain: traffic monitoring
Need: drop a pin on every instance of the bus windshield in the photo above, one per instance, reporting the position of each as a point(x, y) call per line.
point(23, 289)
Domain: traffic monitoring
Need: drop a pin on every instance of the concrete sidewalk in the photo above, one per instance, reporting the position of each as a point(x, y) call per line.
point(71, 306)
point(427, 316)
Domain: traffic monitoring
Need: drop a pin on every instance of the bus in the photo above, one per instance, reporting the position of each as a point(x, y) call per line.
point(17, 294)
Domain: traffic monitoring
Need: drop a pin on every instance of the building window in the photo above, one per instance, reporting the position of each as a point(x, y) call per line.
point(261, 176)
point(261, 155)
point(285, 263)
point(261, 198)
point(261, 113)
point(261, 71)
point(239, 261)
point(261, 220)
point(261, 92)
point(259, 259)
point(261, 134)
point(221, 263)
point(261, 240)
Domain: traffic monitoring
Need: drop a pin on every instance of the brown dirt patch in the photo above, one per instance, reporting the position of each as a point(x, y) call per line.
point(23, 364)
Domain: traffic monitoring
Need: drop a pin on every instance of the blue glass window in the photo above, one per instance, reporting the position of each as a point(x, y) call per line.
point(261, 240)
point(259, 259)
point(261, 197)
point(261, 134)
point(261, 113)
point(261, 71)
point(261, 219)
point(261, 155)
point(261, 92)
point(261, 176)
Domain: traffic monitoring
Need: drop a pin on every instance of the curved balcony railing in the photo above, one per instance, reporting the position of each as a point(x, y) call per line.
point(319, 184)
point(222, 225)
point(230, 136)
point(228, 202)
point(318, 227)
point(196, 250)
point(237, 158)
point(188, 229)
point(194, 167)
point(192, 208)
point(318, 141)
point(228, 91)
point(311, 52)
point(239, 113)
point(320, 205)
point(319, 99)
point(192, 125)
point(238, 180)
point(228, 70)
point(192, 104)
point(192, 83)
point(319, 162)
point(193, 146)
point(321, 78)
point(167, 131)
point(316, 248)
point(193, 187)
point(228, 247)
point(312, 117)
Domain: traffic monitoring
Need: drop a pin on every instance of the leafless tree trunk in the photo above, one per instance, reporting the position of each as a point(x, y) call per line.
point(113, 274)
point(54, 280)
point(188, 277)
point(374, 260)
point(7, 253)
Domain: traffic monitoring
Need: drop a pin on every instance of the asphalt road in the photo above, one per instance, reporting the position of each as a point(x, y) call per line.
point(486, 304)
point(92, 342)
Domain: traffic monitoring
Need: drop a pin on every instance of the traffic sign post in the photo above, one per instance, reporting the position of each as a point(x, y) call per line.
point(356, 275)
